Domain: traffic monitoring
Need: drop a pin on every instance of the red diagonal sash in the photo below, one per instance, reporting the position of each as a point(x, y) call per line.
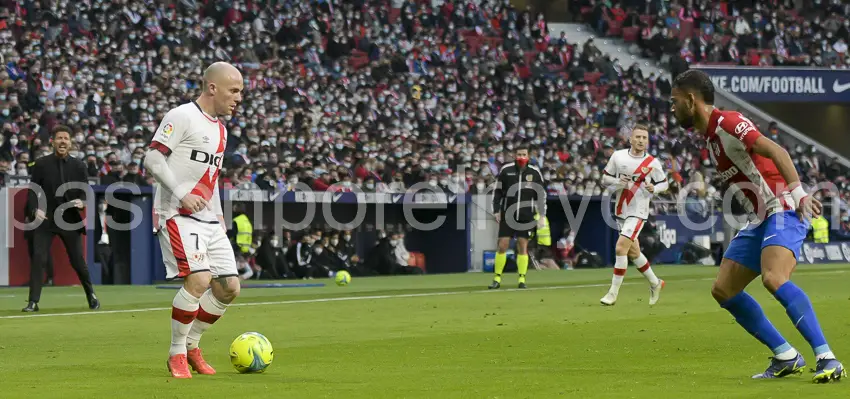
point(642, 171)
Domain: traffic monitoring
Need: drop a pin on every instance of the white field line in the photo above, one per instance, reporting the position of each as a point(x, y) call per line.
point(363, 298)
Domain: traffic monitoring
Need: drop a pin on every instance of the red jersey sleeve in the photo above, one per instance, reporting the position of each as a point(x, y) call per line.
point(741, 128)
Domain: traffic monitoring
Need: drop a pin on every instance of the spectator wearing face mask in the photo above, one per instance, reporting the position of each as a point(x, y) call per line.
point(272, 258)
point(384, 260)
point(5, 164)
point(345, 258)
point(401, 254)
point(369, 185)
point(480, 187)
point(300, 257)
point(324, 262)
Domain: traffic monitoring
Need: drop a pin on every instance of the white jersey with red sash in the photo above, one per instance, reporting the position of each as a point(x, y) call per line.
point(633, 200)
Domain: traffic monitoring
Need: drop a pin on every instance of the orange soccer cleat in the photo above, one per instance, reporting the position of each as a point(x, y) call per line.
point(178, 366)
point(196, 360)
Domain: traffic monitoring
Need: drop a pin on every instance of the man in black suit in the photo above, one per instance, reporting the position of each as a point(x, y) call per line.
point(60, 217)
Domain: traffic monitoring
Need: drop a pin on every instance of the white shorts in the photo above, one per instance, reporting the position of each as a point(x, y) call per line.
point(630, 227)
point(191, 246)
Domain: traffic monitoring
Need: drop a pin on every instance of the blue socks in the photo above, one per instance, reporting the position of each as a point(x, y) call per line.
point(749, 315)
point(799, 309)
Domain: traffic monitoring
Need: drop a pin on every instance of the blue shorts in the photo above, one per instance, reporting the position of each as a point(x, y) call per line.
point(783, 229)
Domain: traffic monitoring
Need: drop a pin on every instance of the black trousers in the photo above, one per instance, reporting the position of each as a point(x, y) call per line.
point(42, 239)
point(31, 249)
point(104, 255)
point(119, 241)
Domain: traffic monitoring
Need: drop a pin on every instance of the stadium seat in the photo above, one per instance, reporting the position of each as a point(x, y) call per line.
point(630, 34)
point(417, 259)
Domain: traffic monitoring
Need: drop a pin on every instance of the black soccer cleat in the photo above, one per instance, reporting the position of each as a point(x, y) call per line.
point(31, 307)
point(522, 285)
point(494, 286)
point(94, 304)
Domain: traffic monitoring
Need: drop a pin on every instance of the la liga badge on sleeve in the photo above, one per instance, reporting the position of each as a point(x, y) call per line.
point(167, 130)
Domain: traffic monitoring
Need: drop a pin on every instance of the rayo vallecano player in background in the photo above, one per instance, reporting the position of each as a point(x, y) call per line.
point(185, 159)
point(636, 176)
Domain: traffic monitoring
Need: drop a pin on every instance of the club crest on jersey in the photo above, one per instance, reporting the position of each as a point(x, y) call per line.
point(644, 170)
point(167, 130)
point(528, 178)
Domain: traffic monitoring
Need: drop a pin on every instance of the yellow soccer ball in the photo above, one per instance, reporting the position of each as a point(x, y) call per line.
point(342, 278)
point(251, 352)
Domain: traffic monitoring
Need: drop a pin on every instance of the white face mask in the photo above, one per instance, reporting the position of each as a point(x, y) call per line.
point(318, 251)
point(274, 242)
point(334, 241)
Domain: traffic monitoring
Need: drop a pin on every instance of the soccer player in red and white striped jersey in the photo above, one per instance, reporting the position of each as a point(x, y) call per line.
point(763, 179)
point(185, 158)
point(636, 176)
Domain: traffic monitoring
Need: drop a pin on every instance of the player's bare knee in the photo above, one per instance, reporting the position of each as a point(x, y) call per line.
point(721, 293)
point(623, 246)
point(634, 252)
point(503, 245)
point(522, 246)
point(226, 289)
point(197, 283)
point(772, 280)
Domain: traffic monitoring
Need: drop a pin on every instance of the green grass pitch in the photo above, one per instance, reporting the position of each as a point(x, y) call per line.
point(442, 336)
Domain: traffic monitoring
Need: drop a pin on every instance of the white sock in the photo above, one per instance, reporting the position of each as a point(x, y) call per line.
point(209, 311)
point(825, 355)
point(184, 309)
point(620, 264)
point(643, 266)
point(787, 355)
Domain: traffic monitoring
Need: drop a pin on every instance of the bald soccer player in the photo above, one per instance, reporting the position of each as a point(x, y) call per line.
point(185, 159)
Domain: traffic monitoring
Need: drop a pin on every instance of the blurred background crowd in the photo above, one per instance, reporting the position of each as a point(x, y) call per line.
point(386, 94)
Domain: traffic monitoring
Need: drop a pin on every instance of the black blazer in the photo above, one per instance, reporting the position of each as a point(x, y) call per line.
point(46, 174)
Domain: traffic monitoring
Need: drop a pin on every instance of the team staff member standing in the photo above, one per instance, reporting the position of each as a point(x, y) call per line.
point(49, 173)
point(518, 197)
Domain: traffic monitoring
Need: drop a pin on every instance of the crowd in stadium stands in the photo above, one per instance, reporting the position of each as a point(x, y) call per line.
point(761, 33)
point(319, 253)
point(367, 93)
